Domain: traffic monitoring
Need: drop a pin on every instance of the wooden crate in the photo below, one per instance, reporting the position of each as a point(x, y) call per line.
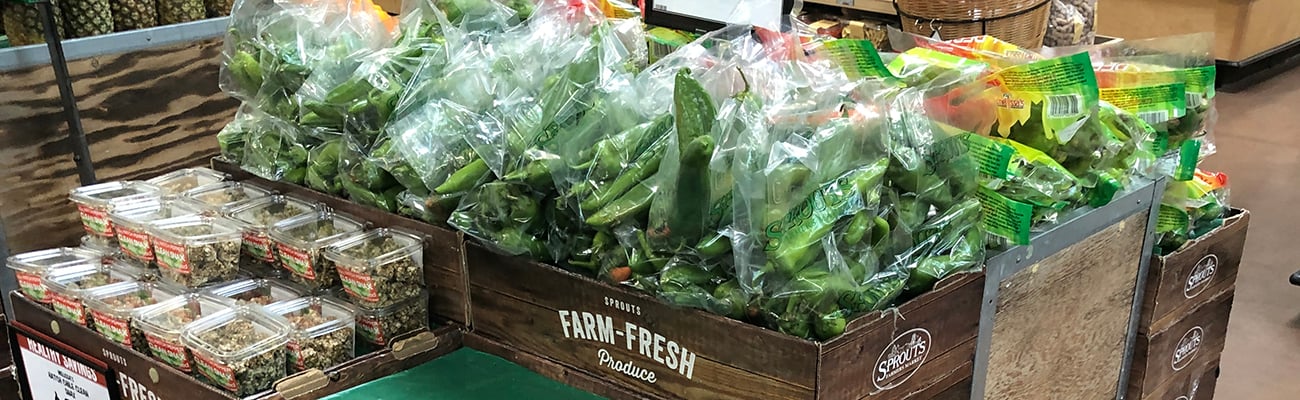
point(146, 108)
point(1060, 313)
point(444, 262)
point(1190, 277)
point(616, 342)
point(140, 377)
point(1198, 384)
point(1171, 354)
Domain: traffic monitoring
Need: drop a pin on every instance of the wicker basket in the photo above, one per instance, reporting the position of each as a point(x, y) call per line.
point(1021, 22)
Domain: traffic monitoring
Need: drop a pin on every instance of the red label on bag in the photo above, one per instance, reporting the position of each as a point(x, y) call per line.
point(172, 256)
point(168, 351)
point(358, 284)
point(295, 356)
point(217, 372)
point(135, 243)
point(295, 260)
point(258, 246)
point(32, 286)
point(70, 308)
point(371, 330)
point(114, 328)
point(95, 221)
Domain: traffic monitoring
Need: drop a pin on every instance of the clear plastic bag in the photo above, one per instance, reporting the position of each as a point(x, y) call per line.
point(1071, 23)
point(1191, 209)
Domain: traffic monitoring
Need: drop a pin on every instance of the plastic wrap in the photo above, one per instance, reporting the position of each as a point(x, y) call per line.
point(1146, 76)
point(1191, 209)
point(1071, 23)
point(555, 74)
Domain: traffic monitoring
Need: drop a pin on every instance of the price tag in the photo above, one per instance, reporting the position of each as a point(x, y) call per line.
point(52, 375)
point(710, 15)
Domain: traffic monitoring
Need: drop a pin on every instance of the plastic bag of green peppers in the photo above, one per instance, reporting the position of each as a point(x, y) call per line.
point(1191, 209)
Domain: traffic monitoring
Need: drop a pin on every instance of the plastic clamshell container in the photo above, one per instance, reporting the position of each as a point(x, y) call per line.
point(181, 180)
point(241, 349)
point(112, 306)
point(258, 291)
point(31, 267)
point(132, 222)
point(196, 250)
point(256, 217)
point(299, 242)
point(100, 244)
point(380, 267)
point(94, 202)
point(324, 331)
point(220, 198)
point(68, 285)
point(163, 324)
point(378, 326)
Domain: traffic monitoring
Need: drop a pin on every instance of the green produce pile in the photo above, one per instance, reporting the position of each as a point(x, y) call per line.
point(792, 186)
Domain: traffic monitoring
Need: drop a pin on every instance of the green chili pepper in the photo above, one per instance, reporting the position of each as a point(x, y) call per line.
point(713, 246)
point(633, 202)
point(465, 178)
point(645, 166)
point(691, 200)
point(732, 299)
point(791, 240)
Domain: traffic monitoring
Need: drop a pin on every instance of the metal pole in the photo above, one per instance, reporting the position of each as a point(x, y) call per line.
point(77, 136)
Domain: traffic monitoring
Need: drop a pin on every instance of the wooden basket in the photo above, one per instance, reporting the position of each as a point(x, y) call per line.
point(1021, 22)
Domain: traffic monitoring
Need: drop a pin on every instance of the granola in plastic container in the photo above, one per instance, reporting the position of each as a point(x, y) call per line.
point(99, 244)
point(220, 198)
point(241, 350)
point(258, 291)
point(31, 266)
point(94, 202)
point(132, 221)
point(69, 285)
point(255, 218)
point(178, 181)
point(162, 325)
point(380, 267)
point(299, 242)
point(195, 250)
point(112, 306)
point(323, 332)
point(378, 326)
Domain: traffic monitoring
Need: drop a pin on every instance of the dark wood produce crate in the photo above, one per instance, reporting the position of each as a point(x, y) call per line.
point(1190, 277)
point(140, 377)
point(1198, 384)
point(1177, 353)
point(621, 343)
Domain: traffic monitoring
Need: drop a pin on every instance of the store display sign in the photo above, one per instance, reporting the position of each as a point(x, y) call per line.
point(52, 375)
point(704, 16)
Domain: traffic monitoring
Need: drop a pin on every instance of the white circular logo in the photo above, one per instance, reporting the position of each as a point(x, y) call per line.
point(901, 359)
point(1201, 276)
point(1187, 348)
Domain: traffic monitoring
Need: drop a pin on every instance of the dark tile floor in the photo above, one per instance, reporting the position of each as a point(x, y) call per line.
point(1258, 138)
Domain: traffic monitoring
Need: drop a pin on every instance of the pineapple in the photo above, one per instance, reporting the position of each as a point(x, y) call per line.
point(178, 11)
point(134, 14)
point(218, 8)
point(87, 17)
point(23, 22)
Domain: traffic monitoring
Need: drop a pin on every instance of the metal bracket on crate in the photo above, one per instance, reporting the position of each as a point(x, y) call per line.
point(1076, 227)
point(76, 135)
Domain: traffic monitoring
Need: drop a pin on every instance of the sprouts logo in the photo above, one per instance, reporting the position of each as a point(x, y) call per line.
point(1010, 102)
point(901, 359)
point(1201, 276)
point(1187, 348)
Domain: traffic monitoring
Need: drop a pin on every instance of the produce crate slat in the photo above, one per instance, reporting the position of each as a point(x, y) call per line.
point(1182, 281)
point(444, 265)
point(1198, 384)
point(1165, 355)
point(534, 319)
point(147, 378)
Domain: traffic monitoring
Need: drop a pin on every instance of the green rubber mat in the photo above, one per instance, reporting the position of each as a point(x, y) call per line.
point(464, 374)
